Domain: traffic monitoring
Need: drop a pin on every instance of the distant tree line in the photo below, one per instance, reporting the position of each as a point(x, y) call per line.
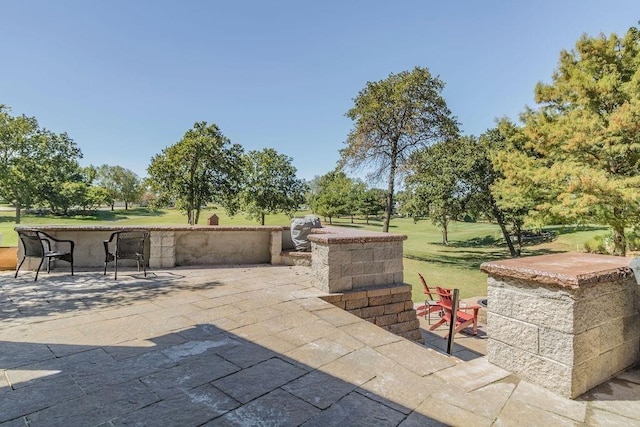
point(40, 169)
point(575, 159)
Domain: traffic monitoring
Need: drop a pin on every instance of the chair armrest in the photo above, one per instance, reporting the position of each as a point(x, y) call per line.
point(48, 239)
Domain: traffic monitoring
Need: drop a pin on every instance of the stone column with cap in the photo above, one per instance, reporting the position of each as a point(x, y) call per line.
point(567, 322)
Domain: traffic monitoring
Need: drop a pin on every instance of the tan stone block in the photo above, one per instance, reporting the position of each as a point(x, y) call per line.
point(373, 311)
point(382, 300)
point(408, 305)
point(556, 345)
point(513, 332)
point(551, 375)
point(354, 295)
point(401, 297)
point(333, 298)
point(356, 303)
point(342, 284)
point(414, 335)
point(394, 308)
point(374, 267)
point(387, 319)
point(352, 269)
point(398, 328)
point(363, 255)
point(406, 316)
point(378, 292)
point(400, 288)
point(611, 334)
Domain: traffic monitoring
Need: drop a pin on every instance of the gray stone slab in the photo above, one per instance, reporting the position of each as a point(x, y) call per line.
point(246, 354)
point(14, 354)
point(259, 379)
point(277, 408)
point(356, 410)
point(197, 347)
point(37, 396)
point(68, 365)
point(189, 408)
point(190, 373)
point(141, 346)
point(616, 396)
point(319, 389)
point(95, 408)
point(18, 422)
point(117, 372)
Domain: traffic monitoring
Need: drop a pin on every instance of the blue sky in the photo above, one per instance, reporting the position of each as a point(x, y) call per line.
point(126, 79)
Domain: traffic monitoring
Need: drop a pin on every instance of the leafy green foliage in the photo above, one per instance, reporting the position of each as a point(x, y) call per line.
point(202, 167)
point(333, 192)
point(582, 157)
point(392, 118)
point(37, 167)
point(270, 185)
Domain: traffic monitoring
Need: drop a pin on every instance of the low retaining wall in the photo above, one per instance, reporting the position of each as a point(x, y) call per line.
point(360, 268)
point(567, 322)
point(389, 307)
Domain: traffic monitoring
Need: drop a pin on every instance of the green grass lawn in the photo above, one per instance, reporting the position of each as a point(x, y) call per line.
point(456, 265)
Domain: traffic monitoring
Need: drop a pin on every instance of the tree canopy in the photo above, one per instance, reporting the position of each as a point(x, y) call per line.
point(582, 143)
point(270, 185)
point(203, 167)
point(36, 166)
point(392, 118)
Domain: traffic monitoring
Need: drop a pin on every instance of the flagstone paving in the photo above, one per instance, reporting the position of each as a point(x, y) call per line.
point(248, 345)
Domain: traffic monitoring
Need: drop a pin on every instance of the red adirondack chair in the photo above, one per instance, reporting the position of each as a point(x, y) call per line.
point(431, 304)
point(464, 319)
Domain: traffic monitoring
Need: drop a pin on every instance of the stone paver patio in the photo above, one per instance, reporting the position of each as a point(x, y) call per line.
point(248, 345)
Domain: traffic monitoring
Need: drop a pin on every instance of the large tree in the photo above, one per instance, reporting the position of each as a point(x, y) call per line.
point(435, 184)
point(270, 185)
point(392, 118)
point(204, 166)
point(332, 197)
point(584, 139)
point(35, 164)
point(121, 184)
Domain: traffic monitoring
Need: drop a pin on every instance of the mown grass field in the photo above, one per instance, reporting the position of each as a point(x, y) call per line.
point(456, 265)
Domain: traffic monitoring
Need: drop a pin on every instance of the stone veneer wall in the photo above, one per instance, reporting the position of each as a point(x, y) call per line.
point(567, 322)
point(350, 260)
point(389, 307)
point(363, 273)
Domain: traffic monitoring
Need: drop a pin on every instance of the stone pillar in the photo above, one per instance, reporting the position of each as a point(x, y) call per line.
point(162, 249)
point(276, 247)
point(344, 262)
point(567, 322)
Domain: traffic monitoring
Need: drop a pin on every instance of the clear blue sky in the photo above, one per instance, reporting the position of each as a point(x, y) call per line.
point(126, 79)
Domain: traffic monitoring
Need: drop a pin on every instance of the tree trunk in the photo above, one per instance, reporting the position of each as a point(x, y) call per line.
point(367, 219)
point(261, 218)
point(126, 205)
point(330, 220)
point(505, 233)
point(18, 209)
point(445, 234)
point(390, 189)
point(620, 248)
point(113, 206)
point(351, 218)
point(197, 218)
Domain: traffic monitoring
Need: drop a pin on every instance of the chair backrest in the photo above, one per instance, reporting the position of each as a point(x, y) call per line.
point(32, 243)
point(444, 297)
point(425, 287)
point(130, 243)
